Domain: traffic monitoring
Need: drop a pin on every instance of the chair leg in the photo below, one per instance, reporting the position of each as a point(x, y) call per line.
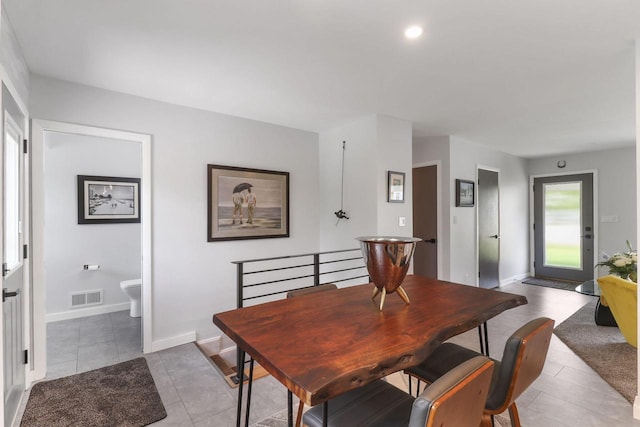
point(487, 420)
point(299, 416)
point(513, 413)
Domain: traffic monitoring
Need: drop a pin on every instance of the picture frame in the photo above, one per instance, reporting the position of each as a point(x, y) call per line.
point(395, 187)
point(465, 193)
point(108, 199)
point(245, 203)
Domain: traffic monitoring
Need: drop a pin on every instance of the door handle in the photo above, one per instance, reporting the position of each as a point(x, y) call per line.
point(6, 294)
point(431, 240)
point(586, 236)
point(495, 236)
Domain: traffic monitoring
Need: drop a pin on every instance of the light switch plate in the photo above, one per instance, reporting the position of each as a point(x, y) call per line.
point(402, 221)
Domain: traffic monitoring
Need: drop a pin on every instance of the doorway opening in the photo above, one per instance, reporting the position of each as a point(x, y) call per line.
point(98, 256)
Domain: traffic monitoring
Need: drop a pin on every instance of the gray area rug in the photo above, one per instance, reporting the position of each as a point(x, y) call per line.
point(119, 395)
point(603, 348)
point(550, 283)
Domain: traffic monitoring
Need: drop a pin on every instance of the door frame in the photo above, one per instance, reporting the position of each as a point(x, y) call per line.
point(477, 222)
point(596, 218)
point(438, 165)
point(38, 128)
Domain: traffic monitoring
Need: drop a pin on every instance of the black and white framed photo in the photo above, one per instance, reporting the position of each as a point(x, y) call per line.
point(464, 193)
point(395, 189)
point(247, 203)
point(108, 199)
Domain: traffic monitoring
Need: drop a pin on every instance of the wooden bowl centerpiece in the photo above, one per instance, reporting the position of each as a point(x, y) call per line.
point(387, 260)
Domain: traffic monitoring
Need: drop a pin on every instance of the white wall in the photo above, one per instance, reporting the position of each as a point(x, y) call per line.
point(374, 145)
point(69, 245)
point(394, 152)
point(193, 279)
point(360, 199)
point(460, 159)
point(14, 71)
point(466, 157)
point(616, 189)
point(636, 403)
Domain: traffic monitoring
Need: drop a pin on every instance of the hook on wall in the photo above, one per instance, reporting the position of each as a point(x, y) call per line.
point(341, 214)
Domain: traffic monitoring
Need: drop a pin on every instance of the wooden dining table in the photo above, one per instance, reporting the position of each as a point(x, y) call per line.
point(325, 344)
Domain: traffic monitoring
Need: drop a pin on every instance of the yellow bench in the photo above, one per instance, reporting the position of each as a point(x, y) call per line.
point(621, 296)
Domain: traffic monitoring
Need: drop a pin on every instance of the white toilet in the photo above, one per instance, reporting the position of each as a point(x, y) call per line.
point(132, 288)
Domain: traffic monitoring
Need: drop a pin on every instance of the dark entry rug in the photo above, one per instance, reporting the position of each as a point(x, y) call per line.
point(603, 348)
point(567, 286)
point(121, 395)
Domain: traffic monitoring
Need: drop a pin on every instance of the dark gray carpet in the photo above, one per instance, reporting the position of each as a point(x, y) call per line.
point(603, 348)
point(120, 395)
point(550, 283)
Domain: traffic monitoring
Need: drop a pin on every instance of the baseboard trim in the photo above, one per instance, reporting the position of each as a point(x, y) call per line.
point(88, 311)
point(516, 278)
point(173, 341)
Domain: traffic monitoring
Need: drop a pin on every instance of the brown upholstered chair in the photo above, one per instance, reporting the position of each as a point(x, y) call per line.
point(455, 399)
point(522, 361)
point(298, 293)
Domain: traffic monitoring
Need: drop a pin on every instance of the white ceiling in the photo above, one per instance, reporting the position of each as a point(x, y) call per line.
point(528, 77)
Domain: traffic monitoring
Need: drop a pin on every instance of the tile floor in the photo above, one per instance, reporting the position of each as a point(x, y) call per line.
point(79, 345)
point(568, 393)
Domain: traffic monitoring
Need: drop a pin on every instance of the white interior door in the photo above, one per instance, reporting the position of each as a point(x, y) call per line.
point(12, 264)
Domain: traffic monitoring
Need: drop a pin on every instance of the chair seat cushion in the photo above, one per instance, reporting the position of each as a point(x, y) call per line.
point(445, 358)
point(377, 404)
point(442, 360)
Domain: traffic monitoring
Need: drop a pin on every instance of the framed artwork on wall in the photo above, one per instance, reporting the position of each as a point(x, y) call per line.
point(395, 187)
point(108, 200)
point(246, 203)
point(465, 193)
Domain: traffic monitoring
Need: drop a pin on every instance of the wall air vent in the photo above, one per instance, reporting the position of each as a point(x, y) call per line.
point(86, 298)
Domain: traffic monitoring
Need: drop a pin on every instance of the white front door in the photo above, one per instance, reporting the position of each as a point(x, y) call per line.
point(13, 169)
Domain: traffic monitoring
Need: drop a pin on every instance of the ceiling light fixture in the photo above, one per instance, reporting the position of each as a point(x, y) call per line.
point(413, 32)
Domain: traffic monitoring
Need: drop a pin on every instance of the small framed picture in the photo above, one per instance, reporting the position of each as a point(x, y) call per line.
point(395, 190)
point(464, 192)
point(247, 203)
point(108, 199)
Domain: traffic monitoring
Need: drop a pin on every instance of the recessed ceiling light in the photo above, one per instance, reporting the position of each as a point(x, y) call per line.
point(413, 32)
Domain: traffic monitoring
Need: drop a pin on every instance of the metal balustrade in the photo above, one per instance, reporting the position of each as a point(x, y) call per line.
point(266, 279)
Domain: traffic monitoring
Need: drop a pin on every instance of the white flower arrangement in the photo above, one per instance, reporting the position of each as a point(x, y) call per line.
point(622, 264)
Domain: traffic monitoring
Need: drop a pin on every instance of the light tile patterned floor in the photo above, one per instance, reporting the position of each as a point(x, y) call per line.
point(568, 393)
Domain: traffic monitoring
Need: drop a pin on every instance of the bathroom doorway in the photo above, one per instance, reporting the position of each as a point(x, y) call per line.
point(79, 292)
